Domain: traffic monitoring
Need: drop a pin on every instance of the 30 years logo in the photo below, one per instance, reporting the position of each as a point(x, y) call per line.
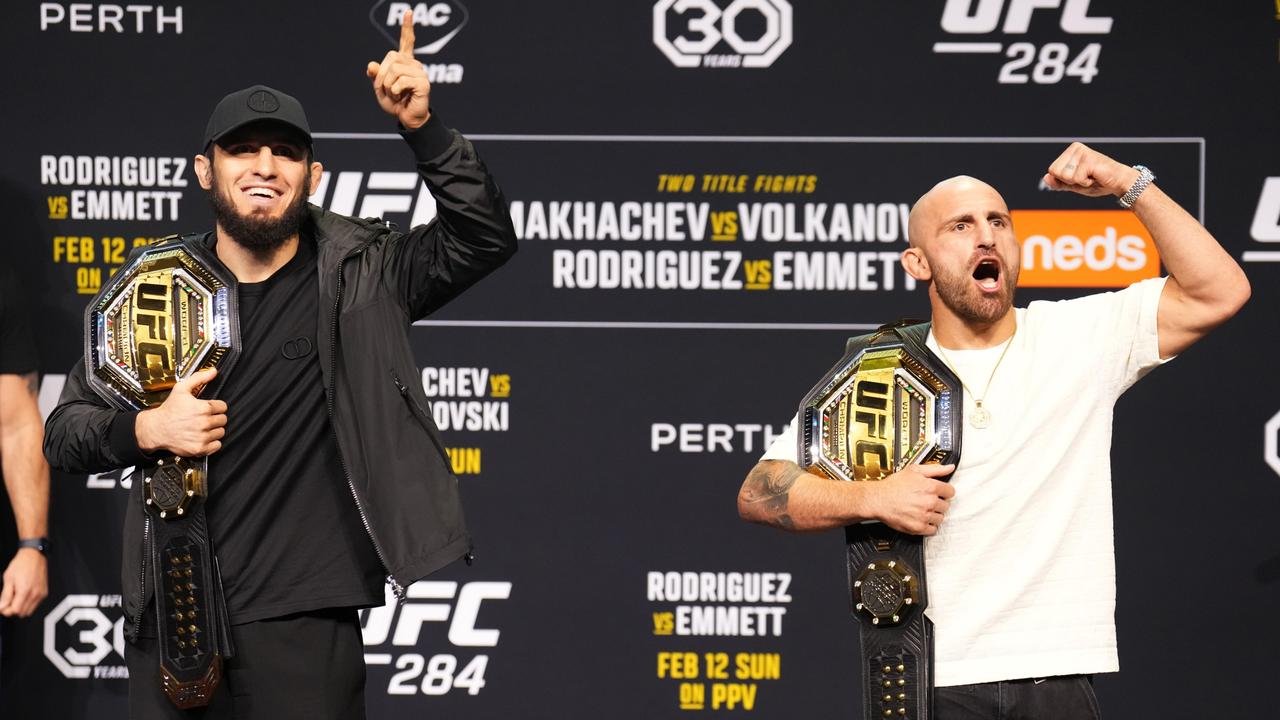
point(80, 634)
point(703, 33)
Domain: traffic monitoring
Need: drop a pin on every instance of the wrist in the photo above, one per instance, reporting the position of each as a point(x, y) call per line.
point(142, 431)
point(417, 123)
point(38, 544)
point(1143, 180)
point(1127, 177)
point(865, 501)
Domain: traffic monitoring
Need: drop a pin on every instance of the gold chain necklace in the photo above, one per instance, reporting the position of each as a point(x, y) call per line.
point(981, 417)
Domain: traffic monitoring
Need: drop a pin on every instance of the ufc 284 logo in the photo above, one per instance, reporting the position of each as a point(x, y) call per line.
point(1042, 64)
point(392, 636)
point(704, 33)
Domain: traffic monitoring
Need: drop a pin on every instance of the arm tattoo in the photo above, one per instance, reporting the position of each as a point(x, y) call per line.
point(767, 487)
point(33, 383)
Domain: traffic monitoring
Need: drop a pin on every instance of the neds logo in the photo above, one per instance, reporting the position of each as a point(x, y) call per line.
point(1083, 248)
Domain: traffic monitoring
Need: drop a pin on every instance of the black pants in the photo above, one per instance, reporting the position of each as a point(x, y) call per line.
point(308, 666)
point(1068, 697)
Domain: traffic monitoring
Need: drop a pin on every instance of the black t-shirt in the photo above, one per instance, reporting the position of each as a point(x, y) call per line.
point(281, 515)
point(17, 350)
point(17, 356)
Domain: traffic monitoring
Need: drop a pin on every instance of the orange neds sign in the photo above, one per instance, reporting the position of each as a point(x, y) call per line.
point(1083, 248)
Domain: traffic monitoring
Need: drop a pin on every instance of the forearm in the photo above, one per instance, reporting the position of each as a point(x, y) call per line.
point(1203, 271)
point(781, 494)
point(83, 435)
point(26, 478)
point(468, 200)
point(1205, 285)
point(472, 234)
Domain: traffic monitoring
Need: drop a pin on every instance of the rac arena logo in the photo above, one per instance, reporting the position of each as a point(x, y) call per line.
point(704, 33)
point(435, 23)
point(1083, 248)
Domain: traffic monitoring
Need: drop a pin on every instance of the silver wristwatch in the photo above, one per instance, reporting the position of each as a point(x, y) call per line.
point(1145, 176)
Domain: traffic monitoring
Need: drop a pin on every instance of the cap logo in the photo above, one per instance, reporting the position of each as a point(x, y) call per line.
point(263, 102)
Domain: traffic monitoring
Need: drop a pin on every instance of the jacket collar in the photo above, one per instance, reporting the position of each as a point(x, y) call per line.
point(340, 234)
point(336, 235)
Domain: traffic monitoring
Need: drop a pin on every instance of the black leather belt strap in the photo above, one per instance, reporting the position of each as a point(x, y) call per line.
point(191, 616)
point(897, 673)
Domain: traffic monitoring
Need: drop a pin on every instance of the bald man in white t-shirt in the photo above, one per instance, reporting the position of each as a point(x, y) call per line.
point(1020, 550)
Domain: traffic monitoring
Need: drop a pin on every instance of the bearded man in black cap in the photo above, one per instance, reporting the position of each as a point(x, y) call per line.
point(326, 477)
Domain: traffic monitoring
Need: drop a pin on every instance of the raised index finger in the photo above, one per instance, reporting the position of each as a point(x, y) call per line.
point(406, 33)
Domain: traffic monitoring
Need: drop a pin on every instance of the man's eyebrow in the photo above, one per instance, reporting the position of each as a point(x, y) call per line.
point(966, 216)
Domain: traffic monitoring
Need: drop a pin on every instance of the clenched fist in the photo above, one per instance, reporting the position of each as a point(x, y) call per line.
point(400, 82)
point(1086, 171)
point(184, 424)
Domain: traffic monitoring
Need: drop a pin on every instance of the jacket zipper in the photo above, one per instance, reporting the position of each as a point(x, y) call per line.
point(396, 587)
point(142, 577)
point(470, 557)
point(413, 403)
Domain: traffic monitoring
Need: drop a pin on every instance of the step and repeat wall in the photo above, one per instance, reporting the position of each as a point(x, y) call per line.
point(710, 195)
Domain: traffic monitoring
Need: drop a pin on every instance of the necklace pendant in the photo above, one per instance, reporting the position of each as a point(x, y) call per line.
point(979, 418)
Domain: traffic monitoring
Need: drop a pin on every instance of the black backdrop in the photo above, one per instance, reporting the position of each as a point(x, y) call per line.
point(604, 394)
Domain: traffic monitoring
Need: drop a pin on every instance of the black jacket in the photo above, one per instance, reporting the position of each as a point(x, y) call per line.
point(373, 283)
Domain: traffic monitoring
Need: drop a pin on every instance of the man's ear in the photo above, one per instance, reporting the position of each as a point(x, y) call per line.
point(317, 171)
point(204, 171)
point(916, 264)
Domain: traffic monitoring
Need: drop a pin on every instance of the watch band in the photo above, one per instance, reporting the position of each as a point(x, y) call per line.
point(1145, 176)
point(35, 543)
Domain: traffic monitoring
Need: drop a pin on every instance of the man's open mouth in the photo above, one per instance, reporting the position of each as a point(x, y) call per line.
point(258, 191)
point(987, 274)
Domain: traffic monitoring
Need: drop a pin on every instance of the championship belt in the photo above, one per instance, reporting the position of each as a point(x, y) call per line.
point(171, 312)
point(889, 402)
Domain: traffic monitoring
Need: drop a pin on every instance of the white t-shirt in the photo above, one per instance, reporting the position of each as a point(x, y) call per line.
point(1022, 571)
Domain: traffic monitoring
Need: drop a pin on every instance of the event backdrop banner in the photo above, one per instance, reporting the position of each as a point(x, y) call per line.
point(710, 197)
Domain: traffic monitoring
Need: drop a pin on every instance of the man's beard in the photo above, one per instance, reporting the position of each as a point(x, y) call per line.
point(259, 235)
point(971, 305)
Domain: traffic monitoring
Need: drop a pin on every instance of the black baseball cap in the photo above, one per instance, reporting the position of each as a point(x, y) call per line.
point(255, 104)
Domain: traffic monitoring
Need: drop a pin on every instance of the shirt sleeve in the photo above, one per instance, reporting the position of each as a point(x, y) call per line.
point(1114, 333)
point(1144, 352)
point(1128, 338)
point(17, 348)
point(785, 446)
